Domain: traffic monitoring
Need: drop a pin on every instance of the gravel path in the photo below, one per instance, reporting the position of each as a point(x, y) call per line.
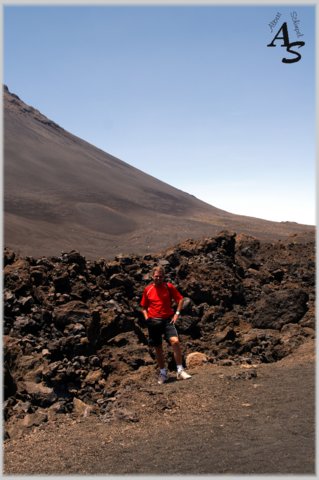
point(225, 420)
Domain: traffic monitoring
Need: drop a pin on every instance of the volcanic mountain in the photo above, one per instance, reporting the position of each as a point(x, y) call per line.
point(62, 193)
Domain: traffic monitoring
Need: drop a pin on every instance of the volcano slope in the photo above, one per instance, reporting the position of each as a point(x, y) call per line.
point(61, 193)
point(80, 380)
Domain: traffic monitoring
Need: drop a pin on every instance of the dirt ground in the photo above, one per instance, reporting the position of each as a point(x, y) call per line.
point(224, 420)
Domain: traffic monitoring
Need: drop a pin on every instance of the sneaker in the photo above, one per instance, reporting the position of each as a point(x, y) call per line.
point(183, 375)
point(162, 379)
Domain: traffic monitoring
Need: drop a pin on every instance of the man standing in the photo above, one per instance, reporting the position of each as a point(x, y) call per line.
point(160, 319)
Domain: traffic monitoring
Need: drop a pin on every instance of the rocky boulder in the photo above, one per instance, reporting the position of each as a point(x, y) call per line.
point(74, 330)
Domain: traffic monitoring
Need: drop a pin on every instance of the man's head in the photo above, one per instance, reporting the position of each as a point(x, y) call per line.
point(158, 274)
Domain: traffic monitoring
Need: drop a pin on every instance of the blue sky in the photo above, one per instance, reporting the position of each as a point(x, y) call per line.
point(189, 94)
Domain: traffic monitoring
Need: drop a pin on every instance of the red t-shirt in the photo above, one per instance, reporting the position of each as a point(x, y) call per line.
point(157, 300)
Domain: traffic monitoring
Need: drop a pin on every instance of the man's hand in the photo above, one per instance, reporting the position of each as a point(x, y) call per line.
point(175, 318)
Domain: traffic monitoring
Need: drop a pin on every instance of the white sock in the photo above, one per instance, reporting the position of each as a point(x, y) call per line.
point(179, 368)
point(163, 371)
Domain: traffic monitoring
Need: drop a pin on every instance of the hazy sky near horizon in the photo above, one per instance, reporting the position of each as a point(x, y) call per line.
point(189, 94)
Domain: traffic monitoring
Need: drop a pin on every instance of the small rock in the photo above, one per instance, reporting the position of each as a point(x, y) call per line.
point(34, 419)
point(82, 408)
point(94, 376)
point(196, 359)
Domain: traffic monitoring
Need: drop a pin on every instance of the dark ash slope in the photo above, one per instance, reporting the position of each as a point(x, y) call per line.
point(62, 193)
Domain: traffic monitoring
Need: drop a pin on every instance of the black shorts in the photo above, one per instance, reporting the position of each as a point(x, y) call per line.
point(157, 327)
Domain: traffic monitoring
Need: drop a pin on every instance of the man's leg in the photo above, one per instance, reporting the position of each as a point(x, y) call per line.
point(171, 336)
point(181, 374)
point(174, 341)
point(155, 340)
point(160, 356)
point(161, 363)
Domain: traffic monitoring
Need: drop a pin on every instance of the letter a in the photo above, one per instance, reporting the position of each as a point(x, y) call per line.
point(285, 36)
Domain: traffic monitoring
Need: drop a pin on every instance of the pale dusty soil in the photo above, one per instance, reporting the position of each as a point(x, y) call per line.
point(230, 420)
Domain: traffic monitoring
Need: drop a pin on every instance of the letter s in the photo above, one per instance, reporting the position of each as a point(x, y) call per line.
point(293, 60)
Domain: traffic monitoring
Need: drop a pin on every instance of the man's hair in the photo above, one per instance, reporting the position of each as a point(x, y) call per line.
point(158, 268)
